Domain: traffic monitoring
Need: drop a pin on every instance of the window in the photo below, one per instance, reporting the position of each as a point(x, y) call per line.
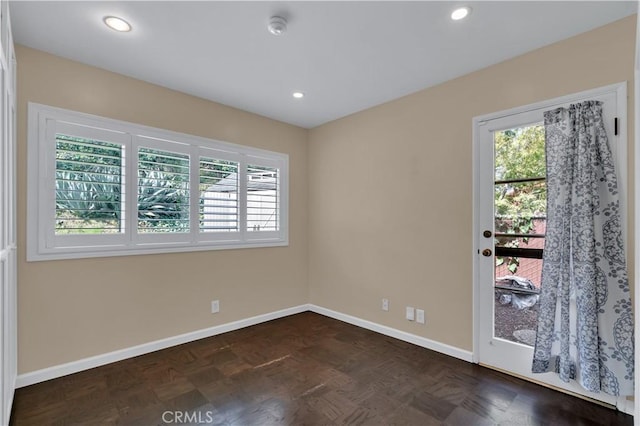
point(163, 192)
point(101, 187)
point(218, 195)
point(88, 186)
point(262, 198)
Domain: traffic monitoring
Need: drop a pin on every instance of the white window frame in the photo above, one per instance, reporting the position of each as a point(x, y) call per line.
point(42, 242)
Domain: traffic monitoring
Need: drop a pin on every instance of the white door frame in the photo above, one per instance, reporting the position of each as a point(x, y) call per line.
point(621, 157)
point(637, 220)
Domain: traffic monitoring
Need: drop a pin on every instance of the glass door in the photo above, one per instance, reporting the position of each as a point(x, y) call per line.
point(519, 222)
point(512, 221)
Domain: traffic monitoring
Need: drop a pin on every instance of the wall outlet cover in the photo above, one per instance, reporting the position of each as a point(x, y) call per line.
point(410, 313)
point(420, 316)
point(215, 306)
point(385, 304)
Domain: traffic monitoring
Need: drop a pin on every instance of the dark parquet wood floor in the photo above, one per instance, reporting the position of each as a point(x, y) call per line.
point(303, 369)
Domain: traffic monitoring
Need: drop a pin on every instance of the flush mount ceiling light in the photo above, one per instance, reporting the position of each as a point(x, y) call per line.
point(117, 24)
point(460, 13)
point(277, 25)
point(298, 95)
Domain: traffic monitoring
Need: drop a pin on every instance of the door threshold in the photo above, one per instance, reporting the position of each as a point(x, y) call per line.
point(552, 387)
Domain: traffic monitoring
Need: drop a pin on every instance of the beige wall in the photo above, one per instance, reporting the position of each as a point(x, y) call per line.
point(69, 310)
point(390, 188)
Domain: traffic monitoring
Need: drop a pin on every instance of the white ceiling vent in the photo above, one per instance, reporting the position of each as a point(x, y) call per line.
point(277, 25)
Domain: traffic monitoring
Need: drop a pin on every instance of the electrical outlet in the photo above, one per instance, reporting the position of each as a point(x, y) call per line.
point(420, 316)
point(215, 306)
point(410, 313)
point(385, 304)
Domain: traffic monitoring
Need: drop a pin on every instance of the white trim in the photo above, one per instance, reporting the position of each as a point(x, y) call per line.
point(56, 371)
point(395, 333)
point(475, 249)
point(8, 251)
point(147, 131)
point(38, 376)
point(169, 248)
point(61, 370)
point(636, 222)
point(621, 151)
point(550, 103)
point(625, 406)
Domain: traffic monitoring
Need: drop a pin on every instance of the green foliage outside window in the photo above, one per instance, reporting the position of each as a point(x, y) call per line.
point(519, 154)
point(88, 183)
point(89, 176)
point(163, 191)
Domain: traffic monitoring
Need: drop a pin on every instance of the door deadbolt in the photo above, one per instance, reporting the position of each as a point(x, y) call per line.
point(487, 233)
point(486, 252)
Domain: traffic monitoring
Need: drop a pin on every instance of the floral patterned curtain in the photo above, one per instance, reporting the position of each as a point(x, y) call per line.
point(585, 322)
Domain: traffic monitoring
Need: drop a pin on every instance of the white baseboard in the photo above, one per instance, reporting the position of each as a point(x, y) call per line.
point(98, 360)
point(107, 358)
point(95, 361)
point(626, 406)
point(393, 332)
point(8, 401)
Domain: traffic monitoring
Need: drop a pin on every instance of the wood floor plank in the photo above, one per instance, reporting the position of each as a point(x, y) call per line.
point(305, 369)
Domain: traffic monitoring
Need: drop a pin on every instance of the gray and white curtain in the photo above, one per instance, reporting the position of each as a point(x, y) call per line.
point(585, 322)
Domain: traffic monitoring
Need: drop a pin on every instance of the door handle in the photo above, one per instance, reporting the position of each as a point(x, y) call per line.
point(487, 252)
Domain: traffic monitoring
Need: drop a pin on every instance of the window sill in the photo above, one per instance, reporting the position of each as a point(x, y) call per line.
point(145, 249)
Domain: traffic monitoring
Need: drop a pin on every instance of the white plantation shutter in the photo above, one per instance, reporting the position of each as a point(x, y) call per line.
point(218, 195)
point(163, 191)
point(262, 198)
point(88, 186)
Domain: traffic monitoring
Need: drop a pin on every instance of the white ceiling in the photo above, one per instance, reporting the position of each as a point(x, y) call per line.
point(346, 56)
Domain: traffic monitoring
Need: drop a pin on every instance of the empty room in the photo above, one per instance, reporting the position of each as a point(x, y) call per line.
point(318, 212)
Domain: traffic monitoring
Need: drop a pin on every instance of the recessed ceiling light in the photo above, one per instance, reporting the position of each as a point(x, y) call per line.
point(298, 95)
point(460, 13)
point(117, 24)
